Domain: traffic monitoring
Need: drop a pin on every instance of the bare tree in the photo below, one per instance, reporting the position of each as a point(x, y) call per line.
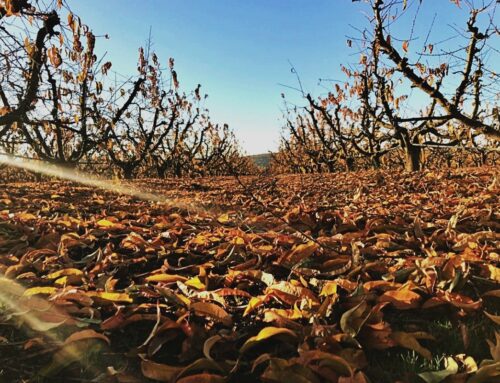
point(23, 57)
point(434, 126)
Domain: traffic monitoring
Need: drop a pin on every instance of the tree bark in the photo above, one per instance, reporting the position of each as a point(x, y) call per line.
point(376, 161)
point(349, 164)
point(413, 158)
point(128, 172)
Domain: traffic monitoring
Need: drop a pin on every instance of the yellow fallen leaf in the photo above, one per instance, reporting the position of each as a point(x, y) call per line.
point(201, 240)
point(224, 218)
point(494, 273)
point(166, 278)
point(112, 297)
point(253, 304)
point(266, 333)
point(185, 300)
point(64, 272)
point(26, 216)
point(48, 290)
point(105, 223)
point(330, 288)
point(195, 283)
point(238, 241)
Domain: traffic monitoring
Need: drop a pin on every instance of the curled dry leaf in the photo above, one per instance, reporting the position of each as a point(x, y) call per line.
point(266, 333)
point(402, 299)
point(159, 372)
point(86, 334)
point(220, 295)
point(212, 311)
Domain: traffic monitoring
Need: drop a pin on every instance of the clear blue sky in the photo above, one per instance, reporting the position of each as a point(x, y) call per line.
point(239, 49)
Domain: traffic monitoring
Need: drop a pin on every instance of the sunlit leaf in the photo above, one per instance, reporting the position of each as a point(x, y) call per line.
point(165, 278)
point(451, 368)
point(402, 299)
point(111, 297)
point(44, 290)
point(266, 333)
point(212, 311)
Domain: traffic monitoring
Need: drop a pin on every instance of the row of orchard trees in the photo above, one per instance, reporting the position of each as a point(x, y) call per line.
point(370, 120)
point(57, 103)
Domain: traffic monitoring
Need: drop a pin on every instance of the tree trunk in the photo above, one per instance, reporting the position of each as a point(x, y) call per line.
point(349, 164)
point(66, 165)
point(376, 161)
point(331, 166)
point(178, 171)
point(161, 171)
point(128, 172)
point(413, 156)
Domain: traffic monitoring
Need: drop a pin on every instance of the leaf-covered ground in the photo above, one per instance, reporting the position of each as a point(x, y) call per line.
point(371, 276)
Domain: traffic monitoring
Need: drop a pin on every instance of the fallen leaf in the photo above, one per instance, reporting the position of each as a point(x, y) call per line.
point(159, 372)
point(451, 368)
point(410, 341)
point(212, 311)
point(402, 299)
point(266, 333)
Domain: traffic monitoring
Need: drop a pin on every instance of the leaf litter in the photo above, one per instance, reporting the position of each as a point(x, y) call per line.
point(296, 278)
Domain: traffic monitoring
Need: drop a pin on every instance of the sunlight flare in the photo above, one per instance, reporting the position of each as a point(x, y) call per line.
point(87, 179)
point(43, 317)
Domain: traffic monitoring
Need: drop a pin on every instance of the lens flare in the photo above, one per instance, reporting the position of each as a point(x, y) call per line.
point(86, 179)
point(79, 177)
point(42, 315)
point(37, 313)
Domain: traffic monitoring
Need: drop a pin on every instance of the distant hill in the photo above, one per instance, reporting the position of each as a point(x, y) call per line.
point(261, 160)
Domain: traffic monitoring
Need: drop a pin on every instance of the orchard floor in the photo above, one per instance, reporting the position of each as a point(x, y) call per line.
point(369, 276)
